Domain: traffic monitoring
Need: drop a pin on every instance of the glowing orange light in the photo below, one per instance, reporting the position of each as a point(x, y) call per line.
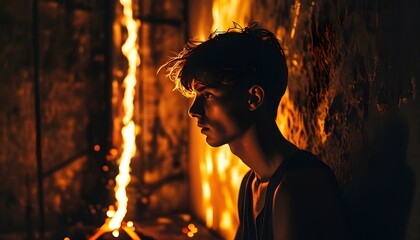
point(97, 148)
point(322, 113)
point(128, 131)
point(296, 18)
point(226, 11)
point(130, 224)
point(190, 230)
point(111, 211)
point(290, 122)
point(113, 152)
point(129, 50)
point(110, 182)
point(220, 171)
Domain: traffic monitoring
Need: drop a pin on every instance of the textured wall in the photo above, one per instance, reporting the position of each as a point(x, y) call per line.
point(75, 114)
point(159, 170)
point(354, 72)
point(17, 112)
point(355, 66)
point(72, 101)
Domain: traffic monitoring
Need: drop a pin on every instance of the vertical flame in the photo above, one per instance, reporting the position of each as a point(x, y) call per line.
point(207, 170)
point(129, 50)
point(296, 18)
point(221, 172)
point(229, 168)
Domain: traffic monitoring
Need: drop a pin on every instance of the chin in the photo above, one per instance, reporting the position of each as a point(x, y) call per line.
point(214, 143)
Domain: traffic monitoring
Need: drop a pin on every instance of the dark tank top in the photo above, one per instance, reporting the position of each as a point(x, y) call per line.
point(263, 227)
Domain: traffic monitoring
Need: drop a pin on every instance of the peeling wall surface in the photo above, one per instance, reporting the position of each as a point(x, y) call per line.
point(354, 71)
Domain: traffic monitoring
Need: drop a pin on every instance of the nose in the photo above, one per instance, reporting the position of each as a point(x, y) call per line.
point(196, 110)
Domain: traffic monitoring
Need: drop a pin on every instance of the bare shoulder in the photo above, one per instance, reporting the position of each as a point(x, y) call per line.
point(310, 178)
point(307, 201)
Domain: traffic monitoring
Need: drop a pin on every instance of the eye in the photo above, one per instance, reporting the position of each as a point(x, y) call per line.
point(207, 95)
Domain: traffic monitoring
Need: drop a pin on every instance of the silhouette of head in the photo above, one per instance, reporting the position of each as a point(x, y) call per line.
point(239, 56)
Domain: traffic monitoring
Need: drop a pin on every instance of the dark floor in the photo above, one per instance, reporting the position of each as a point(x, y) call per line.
point(175, 227)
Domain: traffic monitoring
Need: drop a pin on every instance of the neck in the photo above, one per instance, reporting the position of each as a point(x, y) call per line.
point(262, 148)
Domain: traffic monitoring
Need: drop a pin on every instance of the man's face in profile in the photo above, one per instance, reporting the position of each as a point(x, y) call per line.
point(222, 112)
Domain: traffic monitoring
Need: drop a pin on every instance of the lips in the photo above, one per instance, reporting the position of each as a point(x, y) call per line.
point(203, 126)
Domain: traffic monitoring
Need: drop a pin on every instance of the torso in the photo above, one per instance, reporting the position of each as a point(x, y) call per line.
point(259, 190)
point(256, 199)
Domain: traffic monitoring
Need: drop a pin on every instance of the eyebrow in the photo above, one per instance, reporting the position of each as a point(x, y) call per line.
point(201, 88)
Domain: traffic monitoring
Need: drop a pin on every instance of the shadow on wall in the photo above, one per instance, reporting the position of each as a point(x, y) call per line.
point(380, 200)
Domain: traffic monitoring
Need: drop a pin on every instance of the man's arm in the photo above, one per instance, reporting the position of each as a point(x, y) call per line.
point(307, 205)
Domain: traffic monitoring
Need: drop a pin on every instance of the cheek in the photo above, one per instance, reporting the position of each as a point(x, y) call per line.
point(229, 117)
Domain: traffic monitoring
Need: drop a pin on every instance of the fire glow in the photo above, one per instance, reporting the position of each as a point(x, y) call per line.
point(220, 171)
point(115, 218)
point(128, 131)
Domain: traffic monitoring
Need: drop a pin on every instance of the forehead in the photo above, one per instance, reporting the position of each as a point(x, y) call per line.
point(220, 90)
point(199, 86)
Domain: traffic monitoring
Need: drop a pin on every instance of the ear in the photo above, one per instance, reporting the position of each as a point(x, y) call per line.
point(256, 97)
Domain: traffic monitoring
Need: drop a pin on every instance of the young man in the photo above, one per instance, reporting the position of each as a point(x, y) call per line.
point(237, 79)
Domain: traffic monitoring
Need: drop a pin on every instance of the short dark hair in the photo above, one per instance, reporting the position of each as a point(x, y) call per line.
point(250, 55)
